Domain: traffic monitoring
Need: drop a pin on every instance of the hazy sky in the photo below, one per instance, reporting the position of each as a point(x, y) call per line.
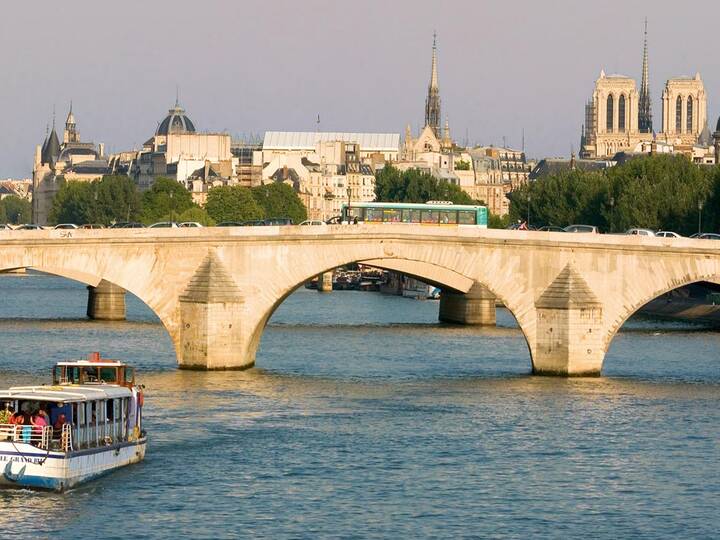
point(248, 67)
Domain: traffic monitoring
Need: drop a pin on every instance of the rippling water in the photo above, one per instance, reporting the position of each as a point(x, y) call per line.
point(367, 419)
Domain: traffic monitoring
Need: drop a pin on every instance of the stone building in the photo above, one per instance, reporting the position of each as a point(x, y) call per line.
point(176, 150)
point(684, 110)
point(56, 162)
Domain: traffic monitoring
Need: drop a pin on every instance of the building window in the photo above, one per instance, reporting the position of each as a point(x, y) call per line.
point(690, 114)
point(621, 114)
point(678, 115)
point(609, 114)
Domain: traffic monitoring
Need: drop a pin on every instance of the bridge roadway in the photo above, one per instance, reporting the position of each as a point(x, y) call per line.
point(214, 289)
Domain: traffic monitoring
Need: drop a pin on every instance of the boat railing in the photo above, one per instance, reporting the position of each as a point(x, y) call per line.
point(37, 436)
point(66, 439)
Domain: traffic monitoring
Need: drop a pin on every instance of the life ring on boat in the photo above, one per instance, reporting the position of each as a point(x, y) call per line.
point(141, 399)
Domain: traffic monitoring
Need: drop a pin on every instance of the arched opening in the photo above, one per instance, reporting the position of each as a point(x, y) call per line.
point(689, 124)
point(609, 114)
point(43, 320)
point(367, 334)
point(621, 114)
point(671, 332)
point(678, 114)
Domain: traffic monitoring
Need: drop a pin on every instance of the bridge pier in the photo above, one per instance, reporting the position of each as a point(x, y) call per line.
point(476, 307)
point(211, 331)
point(106, 302)
point(325, 282)
point(569, 328)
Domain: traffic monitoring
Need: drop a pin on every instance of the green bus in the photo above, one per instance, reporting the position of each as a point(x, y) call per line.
point(430, 213)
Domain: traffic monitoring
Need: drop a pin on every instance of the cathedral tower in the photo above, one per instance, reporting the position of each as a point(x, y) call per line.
point(432, 103)
point(644, 105)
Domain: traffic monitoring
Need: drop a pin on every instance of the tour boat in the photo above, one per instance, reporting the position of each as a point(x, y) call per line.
point(92, 426)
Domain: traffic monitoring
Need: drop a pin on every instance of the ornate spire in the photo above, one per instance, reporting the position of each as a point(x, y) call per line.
point(644, 105)
point(432, 103)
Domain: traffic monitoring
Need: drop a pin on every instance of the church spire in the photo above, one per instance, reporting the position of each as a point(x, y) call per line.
point(432, 103)
point(644, 105)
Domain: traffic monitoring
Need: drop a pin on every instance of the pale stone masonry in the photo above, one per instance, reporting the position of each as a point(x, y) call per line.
point(214, 289)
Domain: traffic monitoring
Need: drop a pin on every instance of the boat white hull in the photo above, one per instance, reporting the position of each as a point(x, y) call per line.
point(25, 466)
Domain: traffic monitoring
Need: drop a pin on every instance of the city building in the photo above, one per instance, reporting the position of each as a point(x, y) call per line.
point(176, 150)
point(56, 162)
point(684, 111)
point(618, 118)
point(21, 188)
point(336, 172)
point(373, 146)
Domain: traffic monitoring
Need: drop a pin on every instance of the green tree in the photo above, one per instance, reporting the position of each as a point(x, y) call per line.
point(16, 210)
point(414, 186)
point(110, 199)
point(280, 200)
point(232, 203)
point(165, 200)
point(194, 213)
point(3, 214)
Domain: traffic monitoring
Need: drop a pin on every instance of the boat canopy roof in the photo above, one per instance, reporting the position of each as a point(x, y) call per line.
point(66, 393)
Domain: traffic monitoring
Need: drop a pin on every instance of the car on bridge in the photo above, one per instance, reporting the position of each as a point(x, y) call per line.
point(66, 226)
point(163, 225)
point(668, 234)
point(316, 222)
point(29, 227)
point(551, 228)
point(640, 232)
point(582, 229)
point(92, 226)
point(708, 236)
point(190, 224)
point(230, 224)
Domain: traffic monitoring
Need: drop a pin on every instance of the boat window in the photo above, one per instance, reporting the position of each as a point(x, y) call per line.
point(129, 375)
point(110, 409)
point(73, 374)
point(108, 374)
point(466, 217)
point(91, 374)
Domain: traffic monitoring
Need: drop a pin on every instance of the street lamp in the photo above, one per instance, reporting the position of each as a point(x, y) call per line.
point(528, 210)
point(612, 213)
point(700, 207)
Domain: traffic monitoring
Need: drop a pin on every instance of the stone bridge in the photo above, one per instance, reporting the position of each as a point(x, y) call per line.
point(214, 289)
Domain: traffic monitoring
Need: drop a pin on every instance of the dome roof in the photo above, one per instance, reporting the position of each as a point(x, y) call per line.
point(175, 122)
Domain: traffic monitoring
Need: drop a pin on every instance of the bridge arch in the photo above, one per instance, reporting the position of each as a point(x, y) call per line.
point(93, 280)
point(651, 293)
point(428, 272)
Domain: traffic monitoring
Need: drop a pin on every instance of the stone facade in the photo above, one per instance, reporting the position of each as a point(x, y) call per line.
point(684, 110)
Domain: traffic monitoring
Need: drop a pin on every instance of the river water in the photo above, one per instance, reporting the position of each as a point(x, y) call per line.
point(365, 418)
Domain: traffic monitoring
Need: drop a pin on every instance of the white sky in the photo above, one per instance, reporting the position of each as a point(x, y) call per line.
point(248, 67)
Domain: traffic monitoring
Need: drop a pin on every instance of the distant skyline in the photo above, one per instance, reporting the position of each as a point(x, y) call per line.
point(277, 65)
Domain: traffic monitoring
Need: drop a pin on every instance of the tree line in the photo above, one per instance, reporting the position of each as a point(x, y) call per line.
point(113, 199)
point(15, 210)
point(656, 191)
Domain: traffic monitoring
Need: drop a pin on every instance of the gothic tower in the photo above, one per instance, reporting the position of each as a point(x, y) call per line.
point(644, 106)
point(432, 103)
point(71, 135)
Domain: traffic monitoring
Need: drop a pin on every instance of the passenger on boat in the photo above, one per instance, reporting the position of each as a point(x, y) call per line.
point(6, 413)
point(42, 412)
point(59, 423)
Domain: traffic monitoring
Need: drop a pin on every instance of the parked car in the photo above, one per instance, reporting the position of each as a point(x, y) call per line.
point(254, 223)
point(66, 226)
point(314, 222)
point(640, 232)
point(127, 225)
point(230, 224)
point(551, 228)
point(335, 220)
point(92, 226)
point(189, 224)
point(5, 226)
point(668, 234)
point(709, 236)
point(279, 221)
point(163, 225)
point(582, 229)
point(29, 227)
